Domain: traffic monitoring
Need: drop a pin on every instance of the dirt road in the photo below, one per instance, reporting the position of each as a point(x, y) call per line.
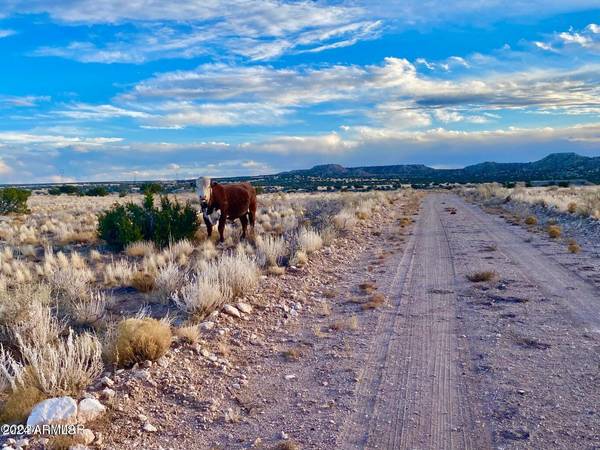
point(423, 384)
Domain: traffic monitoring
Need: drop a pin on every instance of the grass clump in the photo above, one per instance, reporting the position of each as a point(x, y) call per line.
point(19, 404)
point(554, 231)
point(478, 277)
point(375, 301)
point(143, 281)
point(573, 246)
point(531, 220)
point(140, 339)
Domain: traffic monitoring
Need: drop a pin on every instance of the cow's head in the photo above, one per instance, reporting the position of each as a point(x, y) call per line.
point(204, 190)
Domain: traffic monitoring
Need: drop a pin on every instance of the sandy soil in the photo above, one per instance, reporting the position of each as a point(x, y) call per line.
point(444, 364)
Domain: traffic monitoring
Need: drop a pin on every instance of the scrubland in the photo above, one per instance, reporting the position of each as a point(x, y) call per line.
point(582, 201)
point(70, 308)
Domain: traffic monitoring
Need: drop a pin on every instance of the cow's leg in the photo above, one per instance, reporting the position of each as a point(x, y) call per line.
point(222, 221)
point(244, 220)
point(209, 227)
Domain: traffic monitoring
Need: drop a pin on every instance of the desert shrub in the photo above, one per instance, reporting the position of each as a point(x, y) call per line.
point(236, 270)
point(309, 240)
point(531, 220)
point(478, 277)
point(270, 250)
point(119, 227)
point(89, 309)
point(168, 280)
point(13, 200)
point(65, 189)
point(123, 224)
point(151, 188)
point(344, 220)
point(572, 207)
point(554, 231)
point(64, 367)
point(97, 191)
point(202, 295)
point(138, 340)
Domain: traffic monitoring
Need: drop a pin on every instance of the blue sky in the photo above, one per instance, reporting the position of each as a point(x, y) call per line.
point(107, 90)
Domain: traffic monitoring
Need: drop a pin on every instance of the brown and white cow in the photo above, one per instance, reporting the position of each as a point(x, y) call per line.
point(220, 202)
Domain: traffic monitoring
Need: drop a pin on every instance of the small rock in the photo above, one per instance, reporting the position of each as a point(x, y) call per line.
point(244, 307)
point(284, 436)
point(87, 436)
point(290, 377)
point(149, 428)
point(143, 418)
point(232, 311)
point(163, 362)
point(107, 393)
point(107, 382)
point(89, 409)
point(207, 325)
point(59, 410)
point(141, 374)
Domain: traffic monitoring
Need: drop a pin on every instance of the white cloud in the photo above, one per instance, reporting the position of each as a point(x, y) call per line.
point(585, 40)
point(6, 33)
point(54, 141)
point(26, 100)
point(5, 169)
point(330, 143)
point(391, 92)
point(256, 29)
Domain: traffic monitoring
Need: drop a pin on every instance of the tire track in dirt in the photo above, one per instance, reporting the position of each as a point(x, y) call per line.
point(411, 394)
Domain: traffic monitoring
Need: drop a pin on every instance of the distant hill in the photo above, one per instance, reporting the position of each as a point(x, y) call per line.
point(556, 166)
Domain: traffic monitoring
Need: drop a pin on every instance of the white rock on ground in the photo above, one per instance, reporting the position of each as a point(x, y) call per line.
point(89, 409)
point(148, 427)
point(244, 307)
point(59, 410)
point(232, 311)
point(88, 436)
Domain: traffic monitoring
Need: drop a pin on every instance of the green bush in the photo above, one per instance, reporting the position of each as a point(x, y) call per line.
point(13, 200)
point(171, 222)
point(151, 188)
point(65, 189)
point(98, 191)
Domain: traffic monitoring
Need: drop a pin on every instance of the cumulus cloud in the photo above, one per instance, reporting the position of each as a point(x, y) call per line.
point(585, 40)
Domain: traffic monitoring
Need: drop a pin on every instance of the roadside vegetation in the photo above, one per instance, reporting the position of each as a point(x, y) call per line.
point(88, 285)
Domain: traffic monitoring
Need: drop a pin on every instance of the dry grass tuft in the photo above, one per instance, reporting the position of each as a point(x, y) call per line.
point(140, 248)
point(143, 281)
point(286, 445)
point(140, 339)
point(349, 324)
point(18, 405)
point(572, 207)
point(573, 246)
point(531, 220)
point(375, 301)
point(65, 367)
point(554, 231)
point(367, 287)
point(189, 333)
point(478, 277)
point(292, 354)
